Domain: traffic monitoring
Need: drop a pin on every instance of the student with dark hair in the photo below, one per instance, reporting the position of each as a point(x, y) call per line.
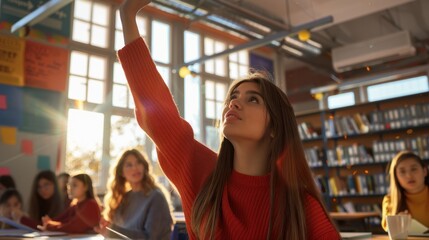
point(259, 185)
point(409, 188)
point(10, 204)
point(84, 212)
point(6, 181)
point(135, 206)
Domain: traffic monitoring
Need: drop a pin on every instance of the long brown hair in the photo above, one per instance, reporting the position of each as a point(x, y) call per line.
point(397, 200)
point(39, 207)
point(291, 178)
point(117, 186)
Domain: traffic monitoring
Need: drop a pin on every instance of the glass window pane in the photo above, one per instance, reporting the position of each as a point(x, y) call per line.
point(219, 110)
point(119, 97)
point(220, 92)
point(209, 66)
point(82, 10)
point(141, 25)
point(210, 109)
point(208, 46)
point(119, 40)
point(161, 42)
point(219, 47)
point(220, 66)
point(341, 100)
point(398, 88)
point(95, 91)
point(118, 22)
point(99, 36)
point(100, 14)
point(192, 46)
point(233, 70)
point(125, 134)
point(81, 31)
point(118, 74)
point(84, 143)
point(244, 57)
point(210, 89)
point(77, 88)
point(165, 74)
point(244, 71)
point(79, 63)
point(130, 100)
point(97, 67)
point(192, 104)
point(212, 138)
point(233, 57)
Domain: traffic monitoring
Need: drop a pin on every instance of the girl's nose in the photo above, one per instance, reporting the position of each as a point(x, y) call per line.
point(234, 103)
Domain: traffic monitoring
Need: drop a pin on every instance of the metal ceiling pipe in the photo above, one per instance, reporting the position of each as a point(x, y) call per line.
point(253, 15)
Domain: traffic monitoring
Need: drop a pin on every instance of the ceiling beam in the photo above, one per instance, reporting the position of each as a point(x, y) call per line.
point(264, 41)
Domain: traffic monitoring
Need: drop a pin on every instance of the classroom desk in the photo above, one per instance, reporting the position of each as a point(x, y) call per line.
point(386, 237)
point(358, 217)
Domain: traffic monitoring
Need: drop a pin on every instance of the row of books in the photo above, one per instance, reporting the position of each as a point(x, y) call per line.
point(353, 185)
point(350, 207)
point(379, 120)
point(384, 151)
point(401, 117)
point(381, 152)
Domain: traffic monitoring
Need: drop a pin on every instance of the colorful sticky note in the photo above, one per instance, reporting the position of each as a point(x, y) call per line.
point(43, 162)
point(8, 135)
point(4, 171)
point(27, 147)
point(3, 102)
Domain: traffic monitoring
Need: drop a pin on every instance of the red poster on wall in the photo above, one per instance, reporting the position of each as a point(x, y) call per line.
point(46, 66)
point(11, 60)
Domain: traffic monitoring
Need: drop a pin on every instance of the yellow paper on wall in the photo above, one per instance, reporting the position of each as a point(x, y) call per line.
point(8, 135)
point(12, 60)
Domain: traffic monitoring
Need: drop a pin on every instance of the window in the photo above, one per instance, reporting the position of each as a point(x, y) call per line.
point(84, 143)
point(91, 23)
point(214, 97)
point(119, 39)
point(238, 64)
point(398, 88)
point(218, 65)
point(121, 95)
point(341, 100)
point(87, 77)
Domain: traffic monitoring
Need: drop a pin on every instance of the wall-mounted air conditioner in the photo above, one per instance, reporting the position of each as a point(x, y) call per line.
point(374, 51)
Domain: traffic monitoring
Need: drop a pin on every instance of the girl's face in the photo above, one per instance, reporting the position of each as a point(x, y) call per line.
point(11, 204)
point(411, 175)
point(45, 188)
point(77, 189)
point(133, 170)
point(245, 117)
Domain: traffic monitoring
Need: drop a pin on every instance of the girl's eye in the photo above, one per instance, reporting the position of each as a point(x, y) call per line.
point(253, 99)
point(233, 96)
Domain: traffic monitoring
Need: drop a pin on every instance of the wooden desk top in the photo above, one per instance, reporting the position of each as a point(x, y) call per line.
point(386, 237)
point(351, 216)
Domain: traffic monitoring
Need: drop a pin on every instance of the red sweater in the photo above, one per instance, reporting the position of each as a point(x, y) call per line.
point(79, 218)
point(187, 163)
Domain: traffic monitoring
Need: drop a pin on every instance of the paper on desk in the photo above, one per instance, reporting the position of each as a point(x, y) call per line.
point(417, 227)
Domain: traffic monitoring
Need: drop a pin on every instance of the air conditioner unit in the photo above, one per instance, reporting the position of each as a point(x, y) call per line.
point(374, 51)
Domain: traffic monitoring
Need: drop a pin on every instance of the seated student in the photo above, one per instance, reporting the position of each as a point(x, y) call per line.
point(134, 205)
point(409, 188)
point(10, 203)
point(6, 181)
point(63, 179)
point(45, 199)
point(83, 213)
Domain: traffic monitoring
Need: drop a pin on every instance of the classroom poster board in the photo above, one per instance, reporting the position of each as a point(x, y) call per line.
point(10, 105)
point(46, 66)
point(12, 60)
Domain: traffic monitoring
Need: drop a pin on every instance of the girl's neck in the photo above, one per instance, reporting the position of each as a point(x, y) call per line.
point(251, 160)
point(136, 187)
point(81, 199)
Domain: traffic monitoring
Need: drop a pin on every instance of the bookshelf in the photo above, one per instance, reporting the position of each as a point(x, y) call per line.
point(350, 148)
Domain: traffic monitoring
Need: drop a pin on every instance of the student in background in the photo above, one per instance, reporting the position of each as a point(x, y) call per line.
point(63, 179)
point(409, 188)
point(84, 212)
point(259, 185)
point(6, 181)
point(10, 204)
point(45, 199)
point(135, 206)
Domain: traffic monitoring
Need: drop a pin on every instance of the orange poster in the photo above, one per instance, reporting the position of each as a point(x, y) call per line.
point(12, 60)
point(46, 66)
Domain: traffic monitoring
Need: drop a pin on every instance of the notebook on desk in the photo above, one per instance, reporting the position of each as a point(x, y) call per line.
point(24, 231)
point(417, 228)
point(356, 235)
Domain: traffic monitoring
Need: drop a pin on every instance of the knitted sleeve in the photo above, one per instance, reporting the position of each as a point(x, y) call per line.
point(185, 161)
point(319, 226)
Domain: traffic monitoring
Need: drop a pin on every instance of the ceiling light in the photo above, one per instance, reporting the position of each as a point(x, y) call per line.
point(292, 50)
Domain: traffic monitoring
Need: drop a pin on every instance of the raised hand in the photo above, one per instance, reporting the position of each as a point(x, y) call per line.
point(128, 11)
